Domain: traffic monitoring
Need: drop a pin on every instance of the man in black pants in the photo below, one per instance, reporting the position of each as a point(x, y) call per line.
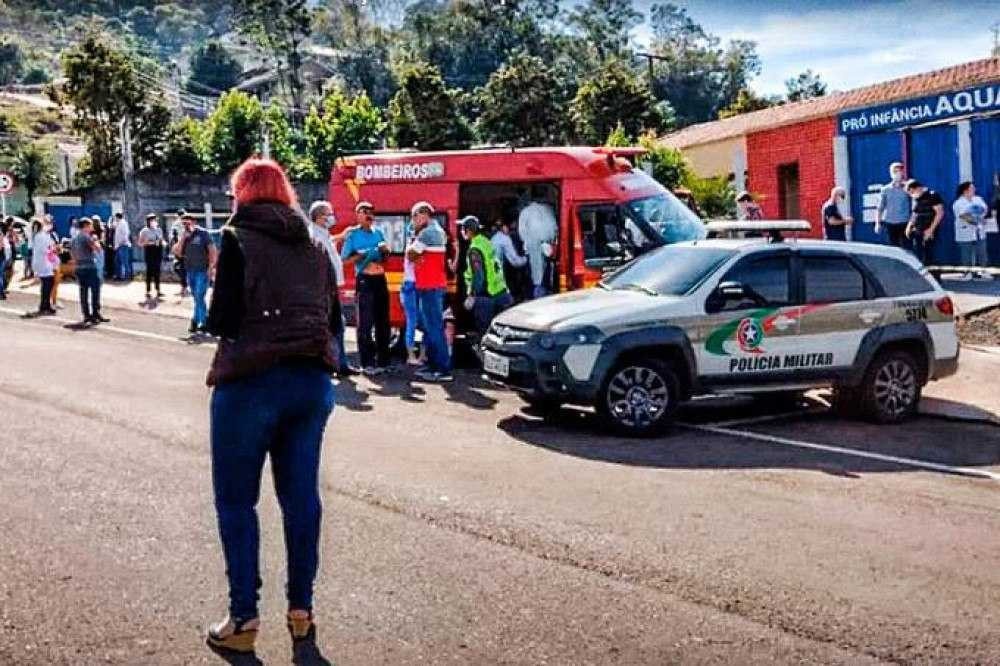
point(151, 242)
point(366, 248)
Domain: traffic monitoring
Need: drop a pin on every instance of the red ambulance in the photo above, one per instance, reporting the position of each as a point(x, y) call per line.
point(608, 211)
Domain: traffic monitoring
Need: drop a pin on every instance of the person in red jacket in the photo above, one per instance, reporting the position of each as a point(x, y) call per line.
point(427, 252)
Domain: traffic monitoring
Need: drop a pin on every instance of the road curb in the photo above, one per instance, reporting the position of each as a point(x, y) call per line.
point(986, 349)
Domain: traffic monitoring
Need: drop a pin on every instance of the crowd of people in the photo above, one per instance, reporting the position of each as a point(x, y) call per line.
point(911, 214)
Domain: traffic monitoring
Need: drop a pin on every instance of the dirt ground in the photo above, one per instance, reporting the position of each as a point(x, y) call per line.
point(981, 329)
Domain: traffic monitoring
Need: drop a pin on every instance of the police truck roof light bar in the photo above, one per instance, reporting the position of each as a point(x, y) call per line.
point(729, 228)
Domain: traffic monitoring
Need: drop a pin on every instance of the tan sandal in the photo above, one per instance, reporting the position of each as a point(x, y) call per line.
point(234, 634)
point(300, 625)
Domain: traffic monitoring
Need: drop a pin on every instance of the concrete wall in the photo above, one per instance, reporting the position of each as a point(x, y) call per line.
point(165, 194)
point(718, 158)
point(810, 145)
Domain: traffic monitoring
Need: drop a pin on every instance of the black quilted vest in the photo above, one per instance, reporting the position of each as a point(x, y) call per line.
point(287, 287)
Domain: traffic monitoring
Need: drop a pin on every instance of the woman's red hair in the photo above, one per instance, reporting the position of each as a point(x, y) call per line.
point(262, 180)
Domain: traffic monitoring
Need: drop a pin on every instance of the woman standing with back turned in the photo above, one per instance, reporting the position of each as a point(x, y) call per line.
point(273, 393)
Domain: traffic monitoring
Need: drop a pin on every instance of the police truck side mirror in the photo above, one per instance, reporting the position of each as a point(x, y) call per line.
point(726, 292)
point(616, 248)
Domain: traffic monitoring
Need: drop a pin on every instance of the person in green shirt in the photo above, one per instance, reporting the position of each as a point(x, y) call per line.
point(488, 293)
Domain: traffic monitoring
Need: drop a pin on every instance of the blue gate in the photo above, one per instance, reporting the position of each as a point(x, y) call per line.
point(934, 162)
point(61, 214)
point(871, 155)
point(986, 172)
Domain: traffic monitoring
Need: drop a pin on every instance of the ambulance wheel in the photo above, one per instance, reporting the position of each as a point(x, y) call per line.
point(891, 389)
point(639, 397)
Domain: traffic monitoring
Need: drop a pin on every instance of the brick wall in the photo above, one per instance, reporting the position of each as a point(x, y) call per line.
point(810, 145)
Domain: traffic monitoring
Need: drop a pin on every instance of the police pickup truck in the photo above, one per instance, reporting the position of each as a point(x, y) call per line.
point(733, 315)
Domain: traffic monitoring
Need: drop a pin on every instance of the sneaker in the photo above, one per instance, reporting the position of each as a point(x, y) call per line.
point(48, 312)
point(99, 319)
point(433, 376)
point(234, 634)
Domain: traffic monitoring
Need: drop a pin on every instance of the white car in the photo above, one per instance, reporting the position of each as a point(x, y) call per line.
point(722, 316)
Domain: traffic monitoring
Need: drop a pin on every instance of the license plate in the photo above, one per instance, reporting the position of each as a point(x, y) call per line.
point(496, 364)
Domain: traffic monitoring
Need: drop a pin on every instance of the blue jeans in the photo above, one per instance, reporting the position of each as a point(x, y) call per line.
point(338, 342)
point(123, 262)
point(431, 303)
point(411, 308)
point(89, 280)
point(282, 412)
point(973, 252)
point(198, 284)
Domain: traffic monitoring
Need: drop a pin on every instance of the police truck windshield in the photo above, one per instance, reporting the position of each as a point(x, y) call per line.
point(668, 271)
point(667, 216)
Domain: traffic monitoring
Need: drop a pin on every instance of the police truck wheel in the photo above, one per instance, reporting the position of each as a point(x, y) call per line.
point(639, 397)
point(891, 389)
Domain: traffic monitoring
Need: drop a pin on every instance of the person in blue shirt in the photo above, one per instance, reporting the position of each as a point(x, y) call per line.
point(894, 208)
point(366, 248)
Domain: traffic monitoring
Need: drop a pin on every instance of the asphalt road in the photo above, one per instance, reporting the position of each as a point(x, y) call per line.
point(460, 529)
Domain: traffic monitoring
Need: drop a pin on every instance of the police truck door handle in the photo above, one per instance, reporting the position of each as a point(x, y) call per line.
point(781, 322)
point(870, 316)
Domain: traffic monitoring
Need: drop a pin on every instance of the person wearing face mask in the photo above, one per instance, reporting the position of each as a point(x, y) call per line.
point(835, 224)
point(894, 208)
point(44, 261)
point(151, 242)
point(321, 216)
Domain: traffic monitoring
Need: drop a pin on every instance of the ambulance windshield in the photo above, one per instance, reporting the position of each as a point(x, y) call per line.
point(667, 216)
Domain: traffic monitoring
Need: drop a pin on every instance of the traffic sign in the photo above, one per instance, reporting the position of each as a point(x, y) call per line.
point(6, 182)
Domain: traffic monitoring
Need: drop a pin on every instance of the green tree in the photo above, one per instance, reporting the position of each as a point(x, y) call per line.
point(183, 149)
point(34, 168)
point(694, 72)
point(363, 46)
point(606, 25)
point(619, 138)
point(521, 104)
point(613, 96)
point(667, 165)
point(233, 131)
point(36, 75)
point(281, 28)
point(424, 113)
point(715, 196)
point(213, 70)
point(11, 61)
point(103, 85)
point(468, 40)
point(748, 101)
point(341, 126)
point(283, 141)
point(806, 85)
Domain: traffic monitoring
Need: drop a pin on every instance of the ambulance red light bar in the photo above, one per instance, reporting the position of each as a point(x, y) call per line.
point(732, 229)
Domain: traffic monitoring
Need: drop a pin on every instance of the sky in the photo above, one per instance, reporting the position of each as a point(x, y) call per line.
point(849, 43)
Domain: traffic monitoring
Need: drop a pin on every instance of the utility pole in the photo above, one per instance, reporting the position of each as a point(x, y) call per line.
point(650, 57)
point(996, 39)
point(130, 192)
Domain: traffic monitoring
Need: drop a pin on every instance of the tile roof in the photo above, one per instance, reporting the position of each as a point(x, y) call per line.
point(917, 85)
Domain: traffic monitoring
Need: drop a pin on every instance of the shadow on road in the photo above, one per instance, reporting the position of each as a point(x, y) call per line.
point(467, 390)
point(235, 658)
point(350, 397)
point(578, 433)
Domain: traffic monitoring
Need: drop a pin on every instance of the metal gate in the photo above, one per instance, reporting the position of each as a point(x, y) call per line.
point(871, 155)
point(61, 214)
point(986, 172)
point(933, 160)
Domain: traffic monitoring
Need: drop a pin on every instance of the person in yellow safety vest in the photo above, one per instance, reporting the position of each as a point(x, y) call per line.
point(488, 294)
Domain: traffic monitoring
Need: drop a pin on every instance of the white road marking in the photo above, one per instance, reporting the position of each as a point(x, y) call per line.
point(857, 453)
point(767, 417)
point(104, 327)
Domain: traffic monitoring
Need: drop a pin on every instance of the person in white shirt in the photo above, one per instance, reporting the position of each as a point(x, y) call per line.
point(503, 246)
point(323, 220)
point(43, 262)
point(538, 229)
point(123, 248)
point(970, 228)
